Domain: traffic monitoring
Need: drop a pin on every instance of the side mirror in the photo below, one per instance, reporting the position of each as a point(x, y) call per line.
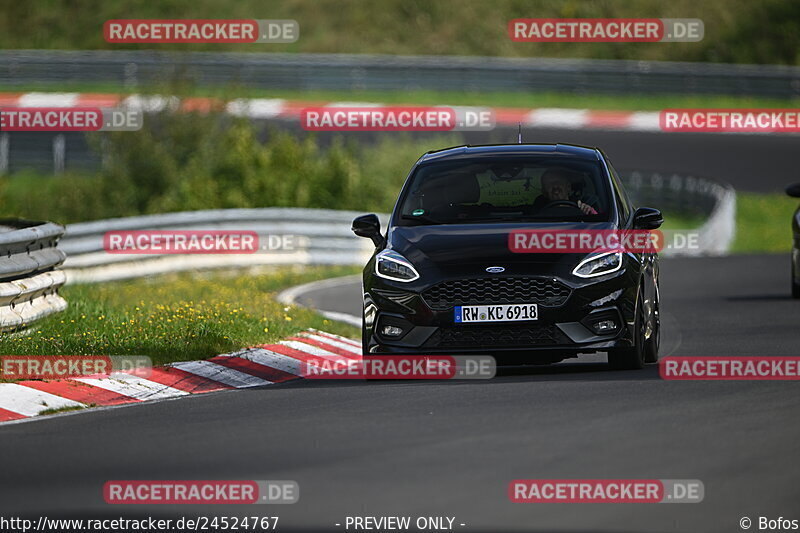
point(647, 218)
point(793, 190)
point(369, 226)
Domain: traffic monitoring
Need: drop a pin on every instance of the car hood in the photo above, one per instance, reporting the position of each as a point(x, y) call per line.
point(468, 249)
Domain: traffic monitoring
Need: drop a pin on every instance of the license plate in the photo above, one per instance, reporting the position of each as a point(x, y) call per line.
point(496, 313)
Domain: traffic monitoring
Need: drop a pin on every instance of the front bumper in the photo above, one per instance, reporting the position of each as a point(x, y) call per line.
point(563, 326)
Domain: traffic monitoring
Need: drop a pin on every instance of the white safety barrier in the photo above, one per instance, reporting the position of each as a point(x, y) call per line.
point(29, 281)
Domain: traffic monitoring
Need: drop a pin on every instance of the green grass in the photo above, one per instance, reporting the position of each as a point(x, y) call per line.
point(681, 221)
point(763, 222)
point(179, 317)
point(611, 102)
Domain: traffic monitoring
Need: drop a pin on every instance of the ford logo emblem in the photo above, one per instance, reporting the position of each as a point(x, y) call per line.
point(495, 270)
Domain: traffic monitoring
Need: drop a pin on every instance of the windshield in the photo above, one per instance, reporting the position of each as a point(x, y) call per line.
point(507, 189)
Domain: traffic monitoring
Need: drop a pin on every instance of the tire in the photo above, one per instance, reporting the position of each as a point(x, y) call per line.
point(652, 344)
point(795, 285)
point(632, 358)
point(364, 339)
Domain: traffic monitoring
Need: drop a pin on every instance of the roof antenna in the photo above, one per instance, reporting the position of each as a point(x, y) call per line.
point(519, 137)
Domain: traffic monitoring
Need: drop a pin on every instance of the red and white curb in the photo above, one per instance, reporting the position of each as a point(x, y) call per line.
point(277, 108)
point(253, 367)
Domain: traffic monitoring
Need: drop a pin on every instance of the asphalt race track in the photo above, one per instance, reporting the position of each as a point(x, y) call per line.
point(451, 448)
point(749, 162)
point(756, 163)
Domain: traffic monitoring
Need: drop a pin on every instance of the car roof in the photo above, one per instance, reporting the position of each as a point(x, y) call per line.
point(467, 151)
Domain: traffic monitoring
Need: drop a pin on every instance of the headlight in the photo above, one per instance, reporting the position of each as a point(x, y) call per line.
point(393, 266)
point(598, 265)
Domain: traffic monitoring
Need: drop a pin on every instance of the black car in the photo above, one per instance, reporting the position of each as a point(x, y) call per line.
point(794, 191)
point(445, 261)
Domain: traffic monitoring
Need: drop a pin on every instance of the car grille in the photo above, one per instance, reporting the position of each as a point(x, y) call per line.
point(546, 292)
point(494, 337)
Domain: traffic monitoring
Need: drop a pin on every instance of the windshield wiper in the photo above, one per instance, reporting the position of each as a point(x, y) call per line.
point(533, 218)
point(425, 219)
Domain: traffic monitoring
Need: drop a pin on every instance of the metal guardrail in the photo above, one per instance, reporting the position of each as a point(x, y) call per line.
point(47, 152)
point(712, 200)
point(29, 281)
point(386, 72)
point(323, 236)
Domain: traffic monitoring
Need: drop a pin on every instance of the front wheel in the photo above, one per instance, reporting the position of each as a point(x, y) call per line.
point(653, 341)
point(632, 358)
point(364, 338)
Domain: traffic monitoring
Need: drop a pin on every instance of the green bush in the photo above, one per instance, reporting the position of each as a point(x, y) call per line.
point(738, 31)
point(184, 162)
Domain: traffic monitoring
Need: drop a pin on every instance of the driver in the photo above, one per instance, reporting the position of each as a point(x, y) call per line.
point(556, 186)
